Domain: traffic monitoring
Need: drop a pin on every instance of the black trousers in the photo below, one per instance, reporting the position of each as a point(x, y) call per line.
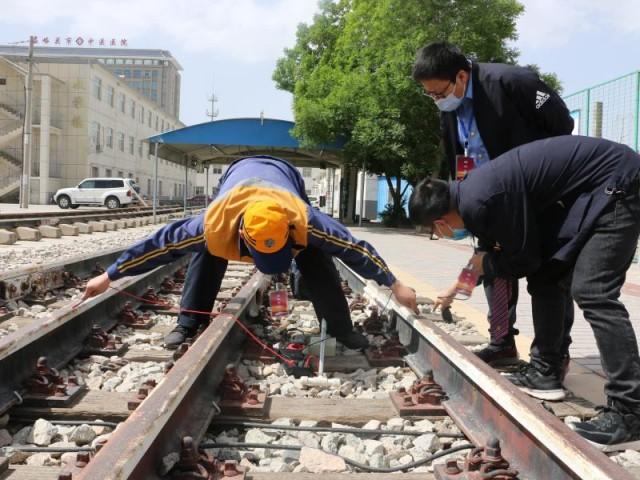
point(595, 282)
point(319, 276)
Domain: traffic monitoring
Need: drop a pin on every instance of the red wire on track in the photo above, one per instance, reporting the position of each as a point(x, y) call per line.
point(246, 329)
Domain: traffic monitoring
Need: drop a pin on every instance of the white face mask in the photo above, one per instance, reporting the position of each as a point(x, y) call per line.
point(450, 102)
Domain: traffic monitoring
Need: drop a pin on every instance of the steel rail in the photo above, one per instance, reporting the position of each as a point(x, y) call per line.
point(485, 405)
point(182, 404)
point(14, 220)
point(62, 334)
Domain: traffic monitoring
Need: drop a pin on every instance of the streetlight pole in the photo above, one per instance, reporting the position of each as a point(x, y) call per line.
point(26, 147)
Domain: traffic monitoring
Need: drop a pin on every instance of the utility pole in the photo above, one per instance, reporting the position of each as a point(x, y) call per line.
point(214, 111)
point(26, 147)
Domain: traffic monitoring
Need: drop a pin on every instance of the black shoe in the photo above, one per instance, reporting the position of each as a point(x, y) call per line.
point(353, 340)
point(611, 430)
point(537, 384)
point(178, 336)
point(499, 355)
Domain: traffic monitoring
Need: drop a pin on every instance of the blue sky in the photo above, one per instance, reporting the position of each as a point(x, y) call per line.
point(234, 44)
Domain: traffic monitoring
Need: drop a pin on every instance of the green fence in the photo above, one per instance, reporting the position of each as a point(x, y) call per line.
point(608, 110)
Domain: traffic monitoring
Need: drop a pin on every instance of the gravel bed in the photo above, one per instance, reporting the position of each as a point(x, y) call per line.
point(45, 434)
point(385, 450)
point(13, 257)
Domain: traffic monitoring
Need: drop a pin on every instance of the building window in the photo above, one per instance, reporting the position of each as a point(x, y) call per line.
point(140, 148)
point(149, 192)
point(133, 109)
point(109, 138)
point(95, 172)
point(132, 142)
point(149, 118)
point(141, 114)
point(131, 175)
point(107, 173)
point(120, 174)
point(159, 187)
point(162, 125)
point(121, 141)
point(110, 96)
point(3, 81)
point(157, 122)
point(97, 88)
point(95, 135)
point(306, 171)
point(121, 102)
point(199, 191)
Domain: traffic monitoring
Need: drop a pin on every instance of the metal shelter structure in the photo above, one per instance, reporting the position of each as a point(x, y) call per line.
point(224, 141)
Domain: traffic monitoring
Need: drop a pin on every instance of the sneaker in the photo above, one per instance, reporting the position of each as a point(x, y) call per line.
point(353, 340)
point(178, 335)
point(611, 430)
point(499, 355)
point(537, 384)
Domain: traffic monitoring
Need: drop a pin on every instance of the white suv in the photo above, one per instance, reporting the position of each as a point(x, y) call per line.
point(110, 192)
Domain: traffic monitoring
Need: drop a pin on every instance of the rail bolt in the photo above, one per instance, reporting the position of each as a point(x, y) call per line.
point(452, 467)
point(82, 459)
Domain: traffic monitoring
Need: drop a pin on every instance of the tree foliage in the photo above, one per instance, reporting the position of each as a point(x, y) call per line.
point(350, 74)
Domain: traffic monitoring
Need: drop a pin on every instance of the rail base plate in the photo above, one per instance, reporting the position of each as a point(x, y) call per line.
point(39, 400)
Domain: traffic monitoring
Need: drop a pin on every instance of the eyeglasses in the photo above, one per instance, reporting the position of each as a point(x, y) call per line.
point(438, 95)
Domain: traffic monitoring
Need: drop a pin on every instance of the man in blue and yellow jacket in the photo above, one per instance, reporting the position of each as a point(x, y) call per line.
point(261, 215)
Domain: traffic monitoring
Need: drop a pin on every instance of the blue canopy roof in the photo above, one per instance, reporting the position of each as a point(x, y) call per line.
point(224, 141)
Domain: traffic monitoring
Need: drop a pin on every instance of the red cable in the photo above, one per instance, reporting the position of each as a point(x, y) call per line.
point(246, 329)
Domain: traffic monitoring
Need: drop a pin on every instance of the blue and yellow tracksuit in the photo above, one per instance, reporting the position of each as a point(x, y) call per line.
point(215, 233)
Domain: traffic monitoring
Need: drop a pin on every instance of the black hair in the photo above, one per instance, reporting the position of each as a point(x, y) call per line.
point(429, 201)
point(439, 60)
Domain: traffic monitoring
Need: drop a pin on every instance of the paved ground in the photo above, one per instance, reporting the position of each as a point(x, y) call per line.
point(431, 266)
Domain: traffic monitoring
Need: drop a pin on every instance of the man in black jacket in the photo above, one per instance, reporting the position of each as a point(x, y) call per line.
point(511, 204)
point(486, 110)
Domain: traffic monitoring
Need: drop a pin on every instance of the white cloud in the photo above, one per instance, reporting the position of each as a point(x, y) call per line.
point(244, 30)
point(553, 23)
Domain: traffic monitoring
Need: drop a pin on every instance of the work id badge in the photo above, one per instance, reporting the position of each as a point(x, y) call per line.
point(464, 164)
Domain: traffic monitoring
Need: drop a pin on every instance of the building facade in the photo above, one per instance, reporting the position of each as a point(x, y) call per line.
point(86, 122)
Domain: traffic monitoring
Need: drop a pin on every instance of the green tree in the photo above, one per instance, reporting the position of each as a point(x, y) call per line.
point(350, 74)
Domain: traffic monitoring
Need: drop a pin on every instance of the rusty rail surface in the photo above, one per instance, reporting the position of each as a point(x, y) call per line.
point(181, 405)
point(484, 404)
point(62, 335)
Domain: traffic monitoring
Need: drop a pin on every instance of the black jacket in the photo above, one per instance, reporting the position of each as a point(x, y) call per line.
point(540, 201)
point(511, 108)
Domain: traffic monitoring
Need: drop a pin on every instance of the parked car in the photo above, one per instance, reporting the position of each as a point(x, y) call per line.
point(198, 201)
point(110, 192)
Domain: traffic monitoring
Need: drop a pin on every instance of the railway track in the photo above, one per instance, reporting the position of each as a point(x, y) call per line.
point(34, 220)
point(197, 407)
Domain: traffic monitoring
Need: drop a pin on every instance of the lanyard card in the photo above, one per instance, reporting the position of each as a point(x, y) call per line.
point(464, 164)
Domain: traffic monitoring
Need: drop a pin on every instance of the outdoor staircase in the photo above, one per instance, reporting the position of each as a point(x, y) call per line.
point(7, 137)
point(7, 157)
point(10, 112)
point(8, 186)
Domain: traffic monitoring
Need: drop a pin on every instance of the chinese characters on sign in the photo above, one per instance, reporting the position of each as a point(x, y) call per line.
point(80, 41)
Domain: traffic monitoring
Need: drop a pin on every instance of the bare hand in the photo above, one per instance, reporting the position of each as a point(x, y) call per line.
point(405, 295)
point(96, 286)
point(445, 299)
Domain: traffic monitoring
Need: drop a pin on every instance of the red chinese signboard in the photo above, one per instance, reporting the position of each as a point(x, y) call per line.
point(80, 41)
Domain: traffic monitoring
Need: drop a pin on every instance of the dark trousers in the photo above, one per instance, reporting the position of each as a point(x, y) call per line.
point(552, 311)
point(598, 277)
point(320, 278)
